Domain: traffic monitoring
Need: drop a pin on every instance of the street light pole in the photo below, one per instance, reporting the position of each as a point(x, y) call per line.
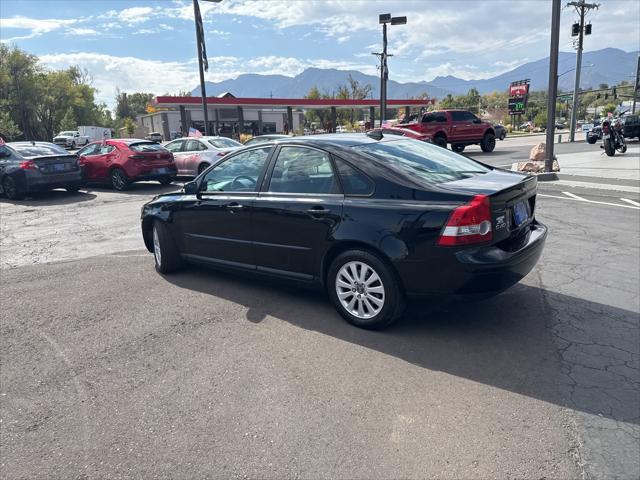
point(384, 19)
point(202, 60)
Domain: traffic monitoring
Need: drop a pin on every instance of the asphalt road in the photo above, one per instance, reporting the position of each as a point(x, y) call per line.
point(111, 370)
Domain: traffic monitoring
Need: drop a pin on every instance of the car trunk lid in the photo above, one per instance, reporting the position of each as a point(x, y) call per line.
point(53, 164)
point(512, 197)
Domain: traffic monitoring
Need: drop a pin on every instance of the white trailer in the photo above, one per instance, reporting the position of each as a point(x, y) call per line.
point(94, 133)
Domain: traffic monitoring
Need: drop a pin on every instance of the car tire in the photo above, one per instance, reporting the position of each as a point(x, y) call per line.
point(72, 188)
point(73, 145)
point(166, 256)
point(119, 180)
point(488, 142)
point(11, 189)
point(440, 141)
point(592, 140)
point(202, 167)
point(353, 298)
point(457, 147)
point(165, 181)
point(503, 136)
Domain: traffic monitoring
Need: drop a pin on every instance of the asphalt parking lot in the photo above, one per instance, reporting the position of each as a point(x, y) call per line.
point(111, 370)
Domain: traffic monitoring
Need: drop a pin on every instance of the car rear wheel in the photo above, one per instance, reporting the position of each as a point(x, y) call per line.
point(165, 253)
point(72, 188)
point(73, 145)
point(364, 290)
point(202, 167)
point(502, 136)
point(592, 140)
point(165, 181)
point(119, 179)
point(488, 142)
point(457, 147)
point(440, 141)
point(11, 189)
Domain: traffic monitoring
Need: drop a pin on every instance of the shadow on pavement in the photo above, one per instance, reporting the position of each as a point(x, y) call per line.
point(506, 342)
point(51, 197)
point(138, 188)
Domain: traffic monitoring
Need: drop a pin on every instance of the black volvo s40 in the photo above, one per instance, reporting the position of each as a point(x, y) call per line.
point(374, 220)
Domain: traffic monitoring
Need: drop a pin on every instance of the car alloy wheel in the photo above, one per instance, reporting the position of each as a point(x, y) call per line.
point(11, 189)
point(118, 179)
point(360, 290)
point(157, 252)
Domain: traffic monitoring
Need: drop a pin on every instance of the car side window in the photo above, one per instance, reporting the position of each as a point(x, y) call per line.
point(89, 150)
point(441, 118)
point(303, 170)
point(5, 152)
point(354, 182)
point(428, 118)
point(104, 149)
point(174, 146)
point(202, 146)
point(458, 116)
point(239, 173)
point(192, 146)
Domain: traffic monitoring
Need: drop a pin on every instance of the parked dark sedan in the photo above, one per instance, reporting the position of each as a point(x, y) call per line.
point(501, 132)
point(27, 167)
point(264, 139)
point(373, 220)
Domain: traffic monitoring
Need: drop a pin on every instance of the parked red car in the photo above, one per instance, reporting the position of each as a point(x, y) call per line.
point(125, 160)
point(402, 132)
point(457, 127)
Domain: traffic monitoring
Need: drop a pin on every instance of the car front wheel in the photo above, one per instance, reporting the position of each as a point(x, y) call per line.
point(457, 147)
point(364, 290)
point(165, 253)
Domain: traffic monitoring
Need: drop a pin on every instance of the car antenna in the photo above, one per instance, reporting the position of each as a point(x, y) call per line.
point(375, 134)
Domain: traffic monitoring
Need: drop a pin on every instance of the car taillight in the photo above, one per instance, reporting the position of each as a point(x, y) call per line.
point(468, 224)
point(28, 165)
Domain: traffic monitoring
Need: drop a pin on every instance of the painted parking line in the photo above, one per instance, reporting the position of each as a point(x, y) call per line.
point(632, 202)
point(576, 198)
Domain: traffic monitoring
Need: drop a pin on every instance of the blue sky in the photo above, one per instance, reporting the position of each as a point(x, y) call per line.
point(142, 45)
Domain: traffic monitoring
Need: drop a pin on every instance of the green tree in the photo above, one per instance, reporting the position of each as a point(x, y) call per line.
point(69, 121)
point(540, 120)
point(129, 126)
point(8, 129)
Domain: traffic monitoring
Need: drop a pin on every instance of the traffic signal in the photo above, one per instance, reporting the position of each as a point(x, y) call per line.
point(587, 29)
point(575, 29)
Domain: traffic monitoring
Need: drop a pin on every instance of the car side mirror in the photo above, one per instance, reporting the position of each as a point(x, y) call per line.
point(477, 120)
point(191, 188)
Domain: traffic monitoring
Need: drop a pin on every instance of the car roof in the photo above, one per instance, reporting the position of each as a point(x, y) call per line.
point(126, 141)
point(24, 144)
point(333, 139)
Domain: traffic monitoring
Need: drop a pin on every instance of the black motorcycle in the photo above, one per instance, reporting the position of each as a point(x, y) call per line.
point(612, 138)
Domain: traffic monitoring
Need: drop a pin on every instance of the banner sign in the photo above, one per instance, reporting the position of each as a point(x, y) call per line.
point(518, 90)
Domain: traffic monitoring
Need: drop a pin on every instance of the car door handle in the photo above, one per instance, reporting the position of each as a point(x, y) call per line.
point(318, 211)
point(234, 207)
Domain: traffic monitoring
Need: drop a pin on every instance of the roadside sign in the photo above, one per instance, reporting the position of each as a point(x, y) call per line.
point(517, 105)
point(565, 98)
point(587, 126)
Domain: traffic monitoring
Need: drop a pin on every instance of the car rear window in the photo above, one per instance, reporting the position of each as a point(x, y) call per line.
point(146, 147)
point(39, 150)
point(224, 143)
point(422, 160)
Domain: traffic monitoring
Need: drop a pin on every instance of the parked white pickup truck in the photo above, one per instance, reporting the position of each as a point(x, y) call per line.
point(70, 139)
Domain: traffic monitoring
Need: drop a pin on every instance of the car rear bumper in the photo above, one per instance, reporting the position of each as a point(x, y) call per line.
point(155, 174)
point(47, 182)
point(481, 271)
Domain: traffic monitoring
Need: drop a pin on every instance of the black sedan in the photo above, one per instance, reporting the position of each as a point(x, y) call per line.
point(501, 132)
point(27, 167)
point(373, 220)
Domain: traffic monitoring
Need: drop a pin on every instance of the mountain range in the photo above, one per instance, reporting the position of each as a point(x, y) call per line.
point(609, 65)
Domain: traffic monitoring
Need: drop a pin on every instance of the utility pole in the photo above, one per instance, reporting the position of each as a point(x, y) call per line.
point(553, 84)
point(581, 7)
point(635, 90)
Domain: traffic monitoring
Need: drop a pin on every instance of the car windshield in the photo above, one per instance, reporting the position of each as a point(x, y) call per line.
point(38, 150)
point(224, 143)
point(146, 147)
point(422, 160)
point(67, 134)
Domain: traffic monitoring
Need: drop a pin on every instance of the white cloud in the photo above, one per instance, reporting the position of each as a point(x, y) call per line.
point(81, 32)
point(135, 15)
point(35, 26)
